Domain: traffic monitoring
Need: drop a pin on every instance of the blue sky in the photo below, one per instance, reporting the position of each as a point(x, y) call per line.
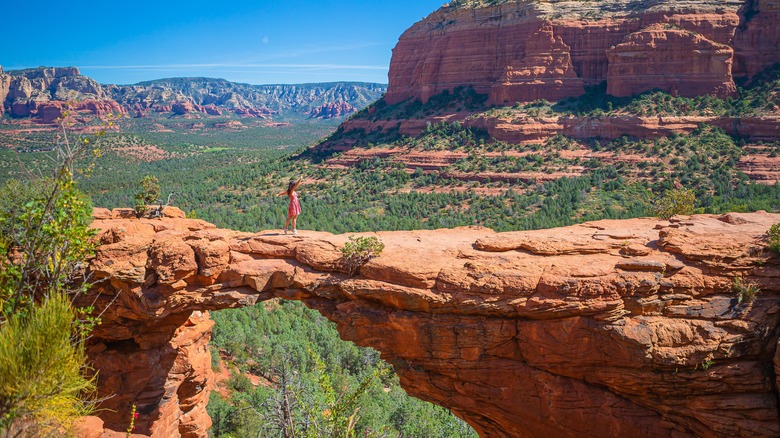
point(257, 42)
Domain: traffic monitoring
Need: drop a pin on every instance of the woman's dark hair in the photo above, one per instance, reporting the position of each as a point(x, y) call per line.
point(290, 187)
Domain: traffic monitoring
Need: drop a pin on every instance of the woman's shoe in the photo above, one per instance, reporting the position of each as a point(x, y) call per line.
point(285, 231)
point(295, 231)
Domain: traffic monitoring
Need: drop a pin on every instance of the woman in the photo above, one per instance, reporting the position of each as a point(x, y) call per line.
point(294, 209)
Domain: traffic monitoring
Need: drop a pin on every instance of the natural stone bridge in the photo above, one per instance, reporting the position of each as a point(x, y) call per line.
point(599, 329)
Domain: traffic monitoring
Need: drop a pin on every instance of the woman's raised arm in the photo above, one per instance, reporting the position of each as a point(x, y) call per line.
point(297, 183)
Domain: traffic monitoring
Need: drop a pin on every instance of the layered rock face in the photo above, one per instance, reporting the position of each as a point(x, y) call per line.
point(680, 61)
point(524, 50)
point(545, 71)
point(44, 92)
point(609, 328)
point(5, 88)
point(758, 39)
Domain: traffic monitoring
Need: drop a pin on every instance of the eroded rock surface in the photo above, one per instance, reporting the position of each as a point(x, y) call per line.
point(46, 92)
point(675, 60)
point(610, 328)
point(519, 51)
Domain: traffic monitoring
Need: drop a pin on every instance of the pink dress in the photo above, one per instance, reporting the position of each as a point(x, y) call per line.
point(294, 209)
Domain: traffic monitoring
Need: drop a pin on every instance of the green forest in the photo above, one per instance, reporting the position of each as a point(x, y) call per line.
point(228, 176)
point(300, 355)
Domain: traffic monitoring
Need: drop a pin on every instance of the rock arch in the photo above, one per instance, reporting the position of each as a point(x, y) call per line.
point(597, 329)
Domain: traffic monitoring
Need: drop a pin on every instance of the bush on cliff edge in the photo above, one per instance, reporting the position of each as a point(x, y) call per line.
point(674, 202)
point(45, 241)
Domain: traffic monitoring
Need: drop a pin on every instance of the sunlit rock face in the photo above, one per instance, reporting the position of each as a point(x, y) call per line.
point(609, 328)
point(520, 51)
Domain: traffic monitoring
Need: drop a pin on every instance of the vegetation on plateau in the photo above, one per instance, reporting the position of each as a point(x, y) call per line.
point(462, 4)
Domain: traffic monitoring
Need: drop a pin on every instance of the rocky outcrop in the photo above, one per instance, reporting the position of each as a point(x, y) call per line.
point(524, 129)
point(519, 51)
point(45, 92)
point(758, 38)
point(609, 127)
point(544, 71)
point(332, 110)
point(609, 328)
point(5, 88)
point(182, 108)
point(673, 60)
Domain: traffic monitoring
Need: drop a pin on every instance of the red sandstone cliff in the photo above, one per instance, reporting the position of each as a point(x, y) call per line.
point(757, 41)
point(46, 92)
point(544, 71)
point(524, 50)
point(599, 329)
point(5, 88)
point(678, 61)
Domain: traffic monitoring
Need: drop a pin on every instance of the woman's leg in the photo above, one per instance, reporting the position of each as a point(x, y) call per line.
point(287, 224)
point(295, 221)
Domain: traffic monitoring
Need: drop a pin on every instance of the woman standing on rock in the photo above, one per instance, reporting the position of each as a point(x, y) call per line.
point(294, 209)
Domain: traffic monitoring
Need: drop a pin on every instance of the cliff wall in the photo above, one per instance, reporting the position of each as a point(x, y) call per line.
point(610, 328)
point(519, 51)
point(46, 92)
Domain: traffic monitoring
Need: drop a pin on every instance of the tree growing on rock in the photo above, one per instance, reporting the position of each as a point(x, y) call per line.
point(674, 202)
point(149, 194)
point(359, 250)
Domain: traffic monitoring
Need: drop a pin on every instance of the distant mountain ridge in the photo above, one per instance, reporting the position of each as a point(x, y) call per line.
point(279, 98)
point(42, 92)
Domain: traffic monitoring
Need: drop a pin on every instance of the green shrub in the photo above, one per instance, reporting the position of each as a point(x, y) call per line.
point(45, 240)
point(215, 359)
point(149, 194)
point(774, 237)
point(674, 202)
point(745, 291)
point(359, 250)
point(239, 382)
point(47, 227)
point(42, 384)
